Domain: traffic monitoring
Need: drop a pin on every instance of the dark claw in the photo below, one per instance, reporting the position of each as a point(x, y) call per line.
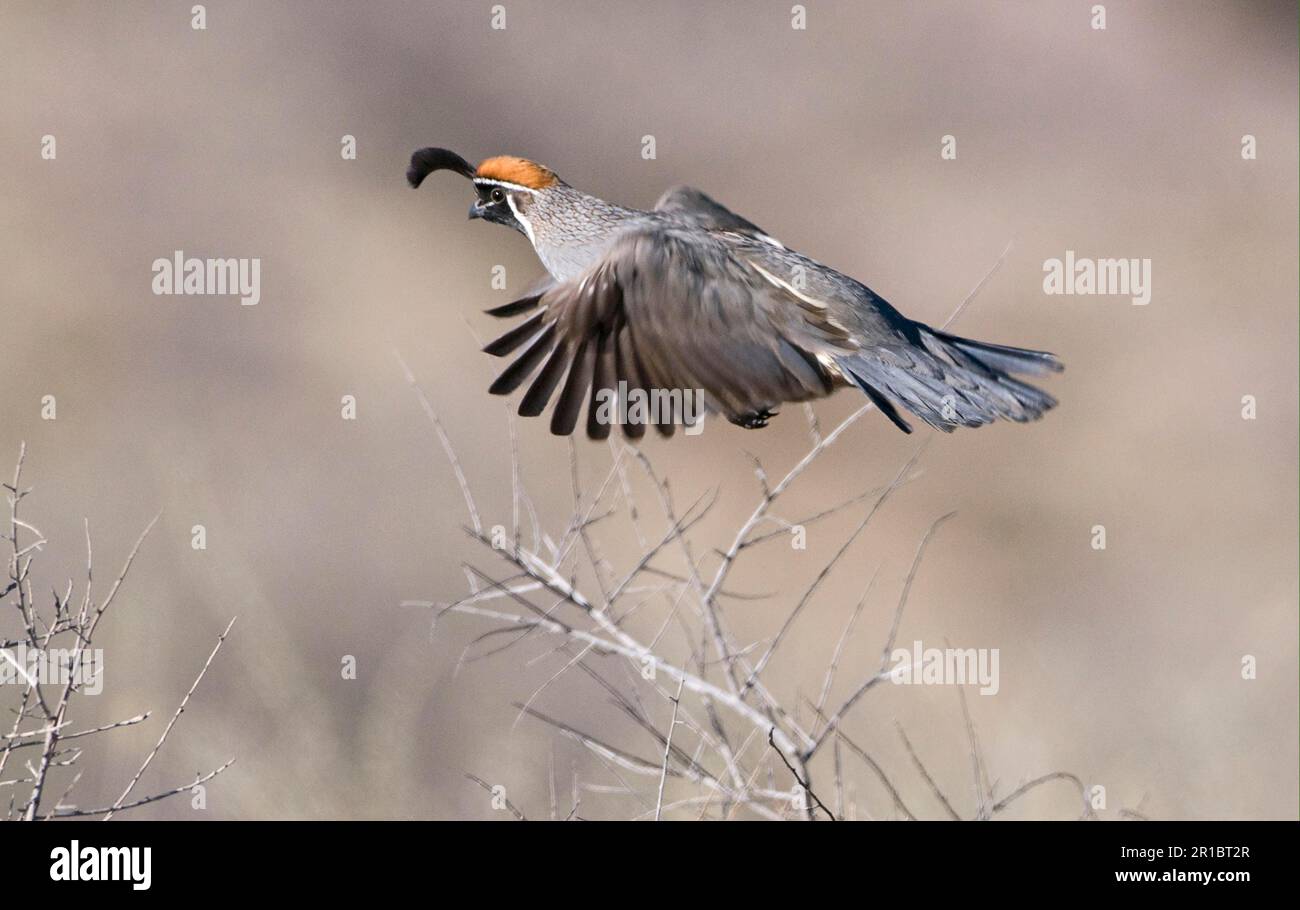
point(754, 420)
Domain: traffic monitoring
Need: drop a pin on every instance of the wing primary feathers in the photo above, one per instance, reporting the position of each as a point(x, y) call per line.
point(666, 425)
point(602, 380)
point(515, 337)
point(626, 371)
point(524, 365)
point(539, 393)
point(627, 348)
point(565, 416)
point(515, 307)
point(666, 429)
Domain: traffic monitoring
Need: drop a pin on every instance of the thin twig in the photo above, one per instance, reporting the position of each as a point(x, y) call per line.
point(144, 801)
point(171, 723)
point(446, 443)
point(668, 749)
point(883, 672)
point(925, 774)
point(979, 287)
point(488, 787)
point(802, 781)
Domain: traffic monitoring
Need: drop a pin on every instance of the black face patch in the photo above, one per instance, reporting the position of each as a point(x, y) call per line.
point(493, 204)
point(488, 193)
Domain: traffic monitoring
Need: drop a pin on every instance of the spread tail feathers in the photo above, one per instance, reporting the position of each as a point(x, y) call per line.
point(951, 382)
point(1001, 357)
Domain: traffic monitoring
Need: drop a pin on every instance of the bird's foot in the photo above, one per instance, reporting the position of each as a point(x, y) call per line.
point(754, 420)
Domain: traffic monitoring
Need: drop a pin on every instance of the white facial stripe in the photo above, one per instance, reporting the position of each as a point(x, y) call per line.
point(528, 228)
point(505, 183)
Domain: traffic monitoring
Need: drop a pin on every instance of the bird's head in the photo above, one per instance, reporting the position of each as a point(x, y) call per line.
point(507, 187)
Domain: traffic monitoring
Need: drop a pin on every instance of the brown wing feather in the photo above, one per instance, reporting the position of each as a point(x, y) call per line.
point(514, 375)
point(565, 416)
point(512, 339)
point(627, 371)
point(539, 393)
point(602, 382)
point(673, 308)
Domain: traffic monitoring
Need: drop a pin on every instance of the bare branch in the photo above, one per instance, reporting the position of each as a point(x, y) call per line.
point(803, 782)
point(979, 287)
point(488, 787)
point(920, 766)
point(883, 672)
point(118, 804)
point(68, 812)
point(668, 750)
point(446, 443)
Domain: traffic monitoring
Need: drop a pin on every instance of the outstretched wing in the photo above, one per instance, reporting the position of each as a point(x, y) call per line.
point(668, 308)
point(690, 206)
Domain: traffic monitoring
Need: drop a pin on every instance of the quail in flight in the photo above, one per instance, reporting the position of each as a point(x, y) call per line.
point(692, 296)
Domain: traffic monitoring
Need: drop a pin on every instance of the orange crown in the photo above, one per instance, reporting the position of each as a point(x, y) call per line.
point(518, 170)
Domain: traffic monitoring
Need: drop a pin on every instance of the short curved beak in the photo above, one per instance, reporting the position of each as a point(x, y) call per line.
point(475, 211)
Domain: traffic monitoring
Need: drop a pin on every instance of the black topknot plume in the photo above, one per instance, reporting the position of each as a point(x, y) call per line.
point(427, 160)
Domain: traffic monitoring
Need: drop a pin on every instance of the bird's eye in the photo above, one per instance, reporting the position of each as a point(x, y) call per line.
point(497, 195)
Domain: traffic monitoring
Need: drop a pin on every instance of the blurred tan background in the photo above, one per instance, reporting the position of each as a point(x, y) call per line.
point(1121, 666)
